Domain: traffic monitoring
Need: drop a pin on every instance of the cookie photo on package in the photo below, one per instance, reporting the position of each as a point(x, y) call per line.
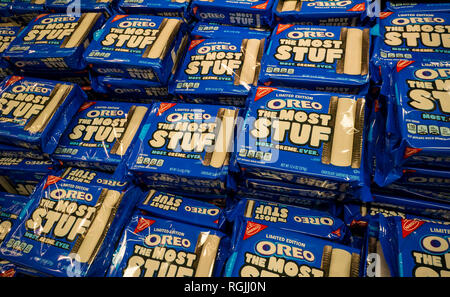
point(219, 71)
point(185, 144)
point(301, 134)
point(259, 250)
point(69, 229)
point(320, 13)
point(154, 247)
point(165, 8)
point(35, 112)
point(186, 210)
point(320, 58)
point(246, 13)
point(53, 42)
point(415, 248)
point(101, 134)
point(417, 119)
point(138, 47)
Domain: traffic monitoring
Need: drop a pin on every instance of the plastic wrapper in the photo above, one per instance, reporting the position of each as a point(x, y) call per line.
point(35, 112)
point(154, 247)
point(138, 47)
point(260, 250)
point(320, 58)
point(70, 228)
point(101, 134)
point(218, 71)
point(247, 13)
point(322, 13)
point(53, 42)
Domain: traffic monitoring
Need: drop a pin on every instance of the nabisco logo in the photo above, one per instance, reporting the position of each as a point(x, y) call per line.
point(252, 229)
point(409, 226)
point(143, 224)
point(263, 91)
point(402, 64)
point(164, 107)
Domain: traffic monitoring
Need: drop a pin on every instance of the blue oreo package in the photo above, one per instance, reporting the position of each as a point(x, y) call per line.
point(165, 8)
point(185, 144)
point(74, 6)
point(21, 175)
point(415, 248)
point(413, 36)
point(24, 11)
point(424, 6)
point(260, 250)
point(417, 123)
point(10, 208)
point(419, 207)
point(35, 112)
point(101, 134)
point(129, 90)
point(155, 247)
point(11, 151)
point(218, 71)
point(7, 35)
point(274, 189)
point(210, 30)
point(70, 228)
point(183, 209)
point(93, 177)
point(321, 58)
point(247, 13)
point(53, 42)
point(397, 189)
point(425, 178)
point(322, 13)
point(138, 47)
point(287, 217)
point(299, 134)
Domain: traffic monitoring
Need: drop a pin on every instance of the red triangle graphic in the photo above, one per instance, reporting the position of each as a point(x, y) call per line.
point(216, 222)
point(40, 16)
point(337, 232)
point(409, 226)
point(86, 105)
point(409, 151)
point(118, 17)
point(164, 107)
point(194, 43)
point(261, 6)
point(8, 273)
point(263, 91)
point(13, 80)
point(385, 14)
point(358, 7)
point(402, 64)
point(253, 228)
point(143, 224)
point(194, 10)
point(51, 179)
point(282, 27)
